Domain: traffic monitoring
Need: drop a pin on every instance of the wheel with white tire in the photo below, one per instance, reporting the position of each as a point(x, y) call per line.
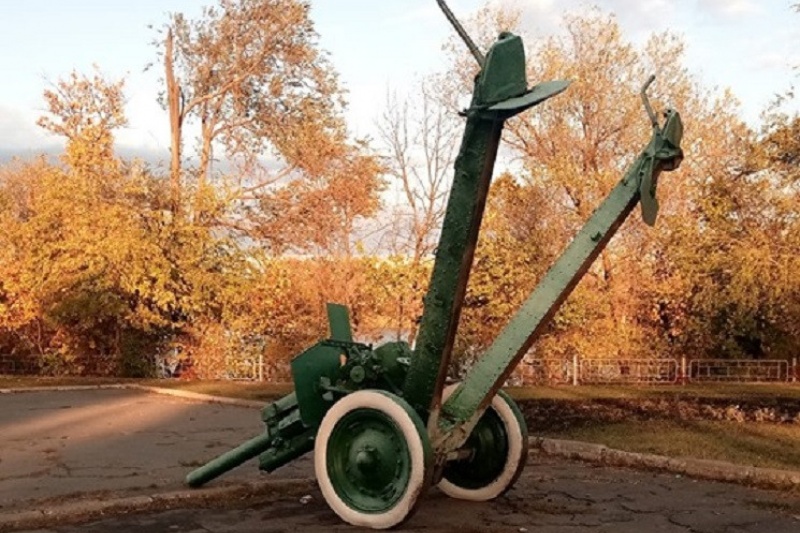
point(499, 445)
point(372, 459)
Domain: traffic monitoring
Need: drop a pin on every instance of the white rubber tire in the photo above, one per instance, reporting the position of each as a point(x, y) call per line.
point(421, 457)
point(515, 459)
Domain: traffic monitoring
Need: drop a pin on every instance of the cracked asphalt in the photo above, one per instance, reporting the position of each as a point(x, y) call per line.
point(553, 496)
point(99, 444)
point(63, 445)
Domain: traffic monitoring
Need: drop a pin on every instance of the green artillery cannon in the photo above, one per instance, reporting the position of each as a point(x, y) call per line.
point(381, 422)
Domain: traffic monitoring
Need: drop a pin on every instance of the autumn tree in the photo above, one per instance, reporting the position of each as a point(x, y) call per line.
point(85, 111)
point(419, 137)
point(250, 75)
point(730, 292)
point(572, 150)
point(97, 278)
point(78, 256)
point(739, 296)
point(576, 147)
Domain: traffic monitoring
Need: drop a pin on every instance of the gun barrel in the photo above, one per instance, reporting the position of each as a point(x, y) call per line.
point(229, 460)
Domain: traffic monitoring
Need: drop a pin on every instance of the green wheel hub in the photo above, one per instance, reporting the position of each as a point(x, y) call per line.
point(489, 445)
point(372, 458)
point(368, 460)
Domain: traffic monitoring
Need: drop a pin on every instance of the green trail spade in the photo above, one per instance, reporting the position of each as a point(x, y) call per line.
point(381, 422)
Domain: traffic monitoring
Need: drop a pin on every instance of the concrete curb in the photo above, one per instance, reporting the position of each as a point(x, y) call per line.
point(187, 395)
point(769, 478)
point(80, 510)
point(67, 388)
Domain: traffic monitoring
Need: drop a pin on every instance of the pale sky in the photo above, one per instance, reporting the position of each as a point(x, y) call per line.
point(746, 45)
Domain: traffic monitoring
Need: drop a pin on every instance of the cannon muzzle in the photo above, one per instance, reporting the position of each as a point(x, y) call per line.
point(229, 460)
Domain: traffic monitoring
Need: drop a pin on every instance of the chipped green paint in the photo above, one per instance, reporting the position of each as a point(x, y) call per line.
point(501, 92)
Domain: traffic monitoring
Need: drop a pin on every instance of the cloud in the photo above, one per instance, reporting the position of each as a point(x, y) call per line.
point(20, 137)
point(772, 60)
point(542, 18)
point(429, 13)
point(729, 8)
point(529, 6)
point(18, 131)
point(539, 17)
point(426, 13)
point(152, 156)
point(7, 155)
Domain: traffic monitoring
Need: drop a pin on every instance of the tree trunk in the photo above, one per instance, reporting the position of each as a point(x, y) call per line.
point(204, 169)
point(176, 126)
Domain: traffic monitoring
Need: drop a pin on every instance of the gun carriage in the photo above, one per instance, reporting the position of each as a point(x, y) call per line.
point(381, 421)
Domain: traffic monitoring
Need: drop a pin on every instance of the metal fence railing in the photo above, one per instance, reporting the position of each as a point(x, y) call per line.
point(550, 371)
point(606, 371)
point(536, 371)
point(599, 371)
point(751, 371)
point(8, 367)
point(244, 369)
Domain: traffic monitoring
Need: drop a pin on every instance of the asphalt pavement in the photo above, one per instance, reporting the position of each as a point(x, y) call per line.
point(61, 445)
point(552, 496)
point(84, 448)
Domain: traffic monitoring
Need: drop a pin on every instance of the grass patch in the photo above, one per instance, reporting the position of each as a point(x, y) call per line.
point(233, 389)
point(22, 382)
point(765, 445)
point(732, 391)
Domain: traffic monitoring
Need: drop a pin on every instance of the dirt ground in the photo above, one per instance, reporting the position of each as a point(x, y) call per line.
point(550, 414)
point(98, 445)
